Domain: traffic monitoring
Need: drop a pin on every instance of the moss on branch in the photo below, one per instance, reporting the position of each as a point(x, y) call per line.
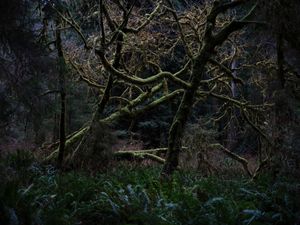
point(241, 160)
point(144, 81)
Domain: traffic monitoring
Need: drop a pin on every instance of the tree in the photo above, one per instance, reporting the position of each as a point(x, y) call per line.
point(283, 18)
point(196, 38)
point(198, 69)
point(23, 63)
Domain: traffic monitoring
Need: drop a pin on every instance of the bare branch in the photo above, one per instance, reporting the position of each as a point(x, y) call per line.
point(140, 81)
point(147, 21)
point(227, 71)
point(234, 156)
point(182, 35)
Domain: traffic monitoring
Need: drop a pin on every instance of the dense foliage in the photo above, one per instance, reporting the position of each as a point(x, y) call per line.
point(131, 194)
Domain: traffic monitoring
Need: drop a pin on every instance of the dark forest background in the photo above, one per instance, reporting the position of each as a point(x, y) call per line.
point(172, 112)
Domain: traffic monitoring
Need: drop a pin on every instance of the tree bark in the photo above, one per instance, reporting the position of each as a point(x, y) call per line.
point(62, 90)
point(231, 135)
point(198, 68)
point(177, 128)
point(280, 60)
point(97, 140)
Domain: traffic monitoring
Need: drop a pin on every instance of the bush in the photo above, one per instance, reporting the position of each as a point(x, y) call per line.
point(134, 195)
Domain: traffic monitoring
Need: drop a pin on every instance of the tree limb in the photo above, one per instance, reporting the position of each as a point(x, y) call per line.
point(234, 156)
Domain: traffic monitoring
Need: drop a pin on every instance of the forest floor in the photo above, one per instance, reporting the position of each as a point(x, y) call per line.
point(128, 194)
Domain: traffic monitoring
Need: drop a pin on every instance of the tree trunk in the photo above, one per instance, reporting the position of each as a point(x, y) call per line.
point(280, 60)
point(183, 112)
point(55, 134)
point(280, 98)
point(198, 68)
point(96, 144)
point(231, 134)
point(62, 90)
point(97, 140)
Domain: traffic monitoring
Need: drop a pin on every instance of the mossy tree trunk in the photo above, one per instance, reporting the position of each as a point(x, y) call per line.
point(97, 142)
point(183, 112)
point(210, 41)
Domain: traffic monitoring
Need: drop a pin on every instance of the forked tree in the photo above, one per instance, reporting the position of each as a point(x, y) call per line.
point(127, 50)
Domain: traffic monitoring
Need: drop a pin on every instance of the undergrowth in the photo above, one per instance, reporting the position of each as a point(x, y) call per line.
point(31, 193)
